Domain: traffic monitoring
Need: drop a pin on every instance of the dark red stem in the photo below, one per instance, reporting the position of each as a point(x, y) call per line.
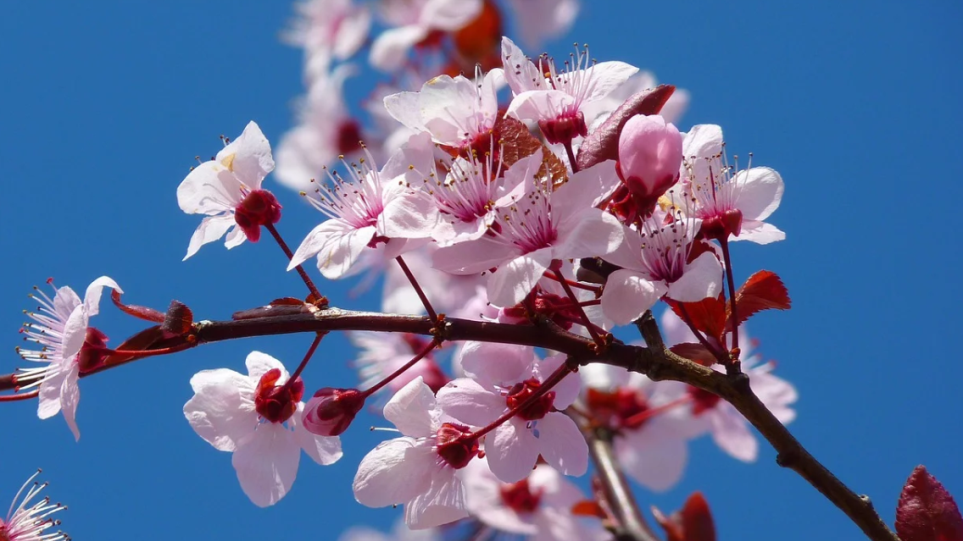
point(287, 251)
point(378, 386)
point(418, 290)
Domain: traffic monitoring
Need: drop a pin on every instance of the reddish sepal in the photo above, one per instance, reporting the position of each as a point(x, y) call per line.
point(277, 403)
point(258, 208)
point(692, 523)
point(926, 511)
point(140, 312)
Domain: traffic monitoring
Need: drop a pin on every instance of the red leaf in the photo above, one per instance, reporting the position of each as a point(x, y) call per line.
point(140, 312)
point(707, 315)
point(603, 143)
point(762, 291)
point(588, 508)
point(695, 353)
point(517, 143)
point(179, 319)
point(692, 523)
point(926, 511)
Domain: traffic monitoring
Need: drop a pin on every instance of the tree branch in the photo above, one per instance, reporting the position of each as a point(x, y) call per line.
point(656, 363)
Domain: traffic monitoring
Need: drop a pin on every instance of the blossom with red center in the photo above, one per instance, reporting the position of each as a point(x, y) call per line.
point(514, 446)
point(330, 29)
point(68, 346)
point(538, 505)
point(553, 97)
point(419, 468)
point(368, 208)
point(655, 262)
point(541, 227)
point(228, 190)
point(732, 204)
point(415, 21)
point(383, 353)
point(28, 522)
point(257, 417)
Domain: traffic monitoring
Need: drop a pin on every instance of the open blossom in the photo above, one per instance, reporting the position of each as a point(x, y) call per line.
point(732, 204)
point(413, 22)
point(539, 505)
point(228, 190)
point(555, 98)
point(69, 345)
point(419, 468)
point(514, 446)
point(369, 208)
point(257, 418)
point(28, 522)
point(330, 28)
point(542, 227)
point(458, 112)
point(729, 429)
point(655, 262)
point(383, 353)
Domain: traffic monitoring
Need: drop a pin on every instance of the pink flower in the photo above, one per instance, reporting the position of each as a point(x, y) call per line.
point(514, 446)
point(68, 345)
point(538, 20)
point(732, 205)
point(26, 521)
point(650, 153)
point(728, 427)
point(329, 28)
point(369, 208)
point(258, 419)
point(228, 190)
point(383, 353)
point(542, 227)
point(655, 263)
point(539, 505)
point(596, 112)
point(456, 111)
point(447, 292)
point(555, 99)
point(419, 468)
point(414, 21)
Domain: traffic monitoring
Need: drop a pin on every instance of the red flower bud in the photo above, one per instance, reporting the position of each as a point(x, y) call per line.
point(260, 207)
point(277, 403)
point(330, 411)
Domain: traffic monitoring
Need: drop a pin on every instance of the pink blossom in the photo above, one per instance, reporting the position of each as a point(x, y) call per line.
point(68, 345)
point(514, 446)
point(597, 111)
point(381, 354)
point(413, 21)
point(539, 20)
point(26, 521)
point(543, 226)
point(419, 468)
point(334, 29)
point(369, 208)
point(732, 204)
point(258, 419)
point(555, 98)
point(228, 190)
point(650, 153)
point(539, 505)
point(654, 263)
point(447, 292)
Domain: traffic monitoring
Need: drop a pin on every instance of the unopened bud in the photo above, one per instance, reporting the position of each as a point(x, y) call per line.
point(650, 154)
point(277, 403)
point(330, 411)
point(260, 207)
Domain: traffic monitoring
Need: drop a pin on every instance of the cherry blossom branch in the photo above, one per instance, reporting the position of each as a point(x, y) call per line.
point(656, 363)
point(599, 341)
point(418, 290)
point(287, 251)
point(421, 355)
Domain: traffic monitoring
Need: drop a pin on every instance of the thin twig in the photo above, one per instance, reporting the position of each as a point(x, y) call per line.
point(733, 366)
point(287, 251)
point(418, 290)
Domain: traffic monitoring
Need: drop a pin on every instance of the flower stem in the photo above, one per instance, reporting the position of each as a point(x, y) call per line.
point(642, 416)
point(421, 355)
point(732, 367)
point(593, 288)
point(599, 342)
point(544, 387)
point(698, 334)
point(571, 156)
point(306, 359)
point(418, 290)
point(287, 251)
point(16, 397)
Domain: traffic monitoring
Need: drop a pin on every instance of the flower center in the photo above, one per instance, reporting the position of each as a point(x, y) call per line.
point(624, 407)
point(94, 350)
point(562, 129)
point(258, 208)
point(277, 403)
point(456, 445)
point(702, 400)
point(521, 392)
point(520, 498)
point(349, 137)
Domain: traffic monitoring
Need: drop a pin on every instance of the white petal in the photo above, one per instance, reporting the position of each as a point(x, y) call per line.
point(596, 233)
point(337, 245)
point(235, 238)
point(209, 189)
point(249, 156)
point(702, 278)
point(352, 32)
point(411, 409)
point(394, 472)
point(404, 107)
point(258, 364)
point(606, 77)
point(442, 503)
point(654, 455)
point(74, 334)
point(759, 232)
point(776, 393)
point(493, 363)
point(65, 301)
point(222, 408)
point(48, 403)
point(449, 15)
point(210, 229)
point(520, 72)
point(473, 256)
point(94, 290)
point(535, 105)
point(628, 294)
point(322, 449)
point(628, 255)
point(470, 403)
point(514, 280)
point(731, 433)
point(561, 443)
point(512, 451)
point(70, 398)
point(760, 192)
point(702, 141)
point(266, 462)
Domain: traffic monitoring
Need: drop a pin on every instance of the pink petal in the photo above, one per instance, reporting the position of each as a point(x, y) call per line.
point(65, 301)
point(544, 19)
point(266, 462)
point(322, 449)
point(776, 393)
point(449, 15)
point(74, 333)
point(473, 256)
point(628, 294)
point(222, 408)
point(210, 229)
point(411, 409)
point(94, 290)
point(629, 254)
point(731, 433)
point(654, 455)
point(535, 105)
point(606, 77)
point(70, 398)
point(760, 192)
point(510, 284)
point(337, 245)
point(390, 48)
point(352, 32)
point(702, 141)
point(512, 451)
point(443, 502)
point(493, 363)
point(566, 391)
point(468, 402)
point(484, 500)
point(759, 232)
point(258, 364)
point(520, 72)
point(561, 444)
point(408, 215)
point(702, 278)
point(404, 106)
point(394, 472)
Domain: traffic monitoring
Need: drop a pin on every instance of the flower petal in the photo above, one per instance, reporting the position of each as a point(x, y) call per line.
point(654, 455)
point(49, 391)
point(412, 409)
point(408, 215)
point(258, 364)
point(468, 402)
point(222, 408)
point(702, 278)
point(473, 256)
point(390, 48)
point(510, 284)
point(561, 443)
point(74, 334)
point(94, 290)
point(605, 77)
point(566, 391)
point(249, 156)
point(760, 192)
point(70, 398)
point(210, 229)
point(322, 449)
point(337, 245)
point(442, 503)
point(394, 472)
point(759, 232)
point(535, 105)
point(731, 433)
point(628, 294)
point(266, 462)
point(496, 364)
point(209, 189)
point(512, 451)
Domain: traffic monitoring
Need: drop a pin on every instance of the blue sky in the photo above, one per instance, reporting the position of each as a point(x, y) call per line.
point(103, 111)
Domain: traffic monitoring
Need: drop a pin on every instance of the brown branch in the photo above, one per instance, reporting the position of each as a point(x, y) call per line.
point(656, 363)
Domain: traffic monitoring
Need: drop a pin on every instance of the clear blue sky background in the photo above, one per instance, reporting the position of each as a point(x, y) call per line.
point(102, 109)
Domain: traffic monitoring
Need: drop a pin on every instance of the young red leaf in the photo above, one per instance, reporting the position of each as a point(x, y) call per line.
point(692, 523)
point(517, 143)
point(926, 511)
point(140, 312)
point(762, 291)
point(588, 508)
point(179, 319)
point(695, 353)
point(707, 315)
point(603, 143)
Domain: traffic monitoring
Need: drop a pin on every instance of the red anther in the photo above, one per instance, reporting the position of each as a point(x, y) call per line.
point(520, 392)
point(702, 400)
point(456, 445)
point(520, 498)
point(277, 403)
point(94, 350)
point(260, 207)
point(564, 129)
point(330, 411)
